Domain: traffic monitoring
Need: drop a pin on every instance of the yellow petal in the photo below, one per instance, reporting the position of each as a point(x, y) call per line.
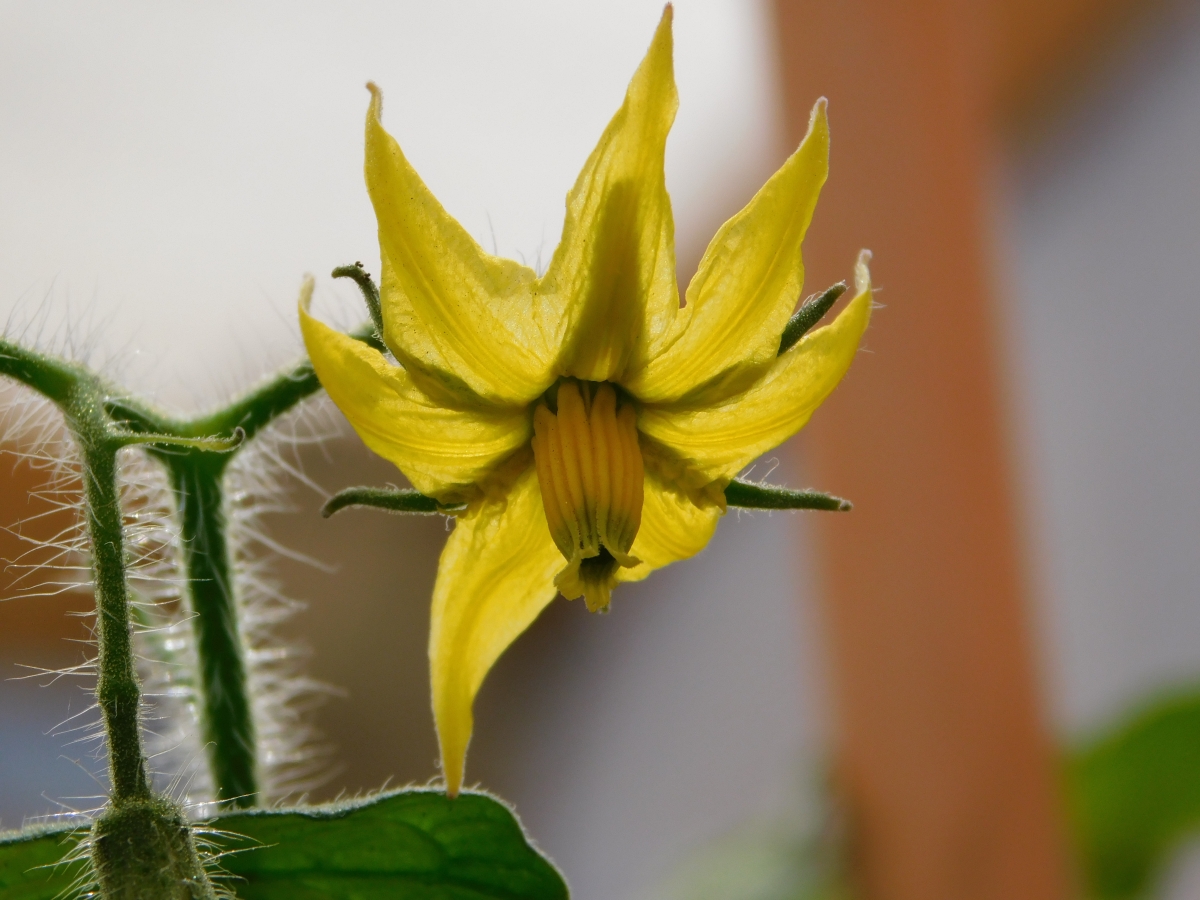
point(495, 576)
point(719, 441)
point(443, 452)
point(409, 341)
point(676, 524)
point(448, 307)
point(746, 287)
point(613, 274)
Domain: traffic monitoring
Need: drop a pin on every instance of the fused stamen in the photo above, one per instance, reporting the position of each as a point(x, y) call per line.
point(589, 467)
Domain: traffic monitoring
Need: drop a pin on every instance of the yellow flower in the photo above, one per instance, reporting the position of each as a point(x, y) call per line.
point(589, 422)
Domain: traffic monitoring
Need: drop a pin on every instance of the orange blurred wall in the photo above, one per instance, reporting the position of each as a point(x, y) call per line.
point(945, 764)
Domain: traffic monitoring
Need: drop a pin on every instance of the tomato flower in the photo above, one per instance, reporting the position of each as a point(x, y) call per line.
point(586, 422)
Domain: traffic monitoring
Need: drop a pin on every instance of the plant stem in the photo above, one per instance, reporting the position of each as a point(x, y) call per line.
point(93, 408)
point(117, 688)
point(80, 396)
point(197, 478)
point(227, 716)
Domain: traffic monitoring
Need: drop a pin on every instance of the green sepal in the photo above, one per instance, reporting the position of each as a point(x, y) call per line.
point(402, 845)
point(809, 314)
point(370, 292)
point(389, 499)
point(213, 444)
point(747, 495)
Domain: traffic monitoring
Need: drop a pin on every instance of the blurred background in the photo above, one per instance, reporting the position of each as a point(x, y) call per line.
point(887, 697)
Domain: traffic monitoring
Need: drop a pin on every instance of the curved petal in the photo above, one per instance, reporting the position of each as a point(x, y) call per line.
point(676, 524)
point(448, 307)
point(613, 273)
point(746, 287)
point(719, 441)
point(409, 341)
point(443, 452)
point(495, 576)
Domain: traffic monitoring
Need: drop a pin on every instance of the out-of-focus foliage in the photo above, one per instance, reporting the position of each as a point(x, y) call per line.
point(756, 866)
point(801, 857)
point(1134, 795)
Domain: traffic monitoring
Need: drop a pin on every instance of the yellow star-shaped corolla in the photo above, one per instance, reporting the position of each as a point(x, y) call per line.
point(589, 422)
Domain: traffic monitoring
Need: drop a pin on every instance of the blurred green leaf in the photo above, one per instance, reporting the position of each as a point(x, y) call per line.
point(406, 845)
point(1134, 795)
point(29, 863)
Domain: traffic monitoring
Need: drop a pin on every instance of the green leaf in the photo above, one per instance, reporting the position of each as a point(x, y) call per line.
point(29, 863)
point(407, 844)
point(1134, 795)
point(404, 845)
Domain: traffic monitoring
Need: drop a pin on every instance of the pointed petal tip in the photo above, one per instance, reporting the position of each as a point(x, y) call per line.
point(664, 33)
point(306, 292)
point(862, 272)
point(818, 125)
point(375, 110)
point(818, 120)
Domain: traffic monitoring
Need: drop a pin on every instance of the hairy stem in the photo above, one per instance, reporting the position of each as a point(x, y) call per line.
point(117, 689)
point(80, 396)
point(196, 453)
point(227, 720)
point(197, 479)
point(141, 845)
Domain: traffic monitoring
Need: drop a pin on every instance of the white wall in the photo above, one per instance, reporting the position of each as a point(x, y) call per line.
point(177, 168)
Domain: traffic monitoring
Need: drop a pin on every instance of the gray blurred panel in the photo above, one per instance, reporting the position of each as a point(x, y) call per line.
point(1104, 233)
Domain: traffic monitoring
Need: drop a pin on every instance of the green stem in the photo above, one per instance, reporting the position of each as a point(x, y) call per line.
point(141, 844)
point(196, 453)
point(227, 720)
point(197, 479)
point(117, 688)
point(252, 412)
point(52, 378)
point(80, 396)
